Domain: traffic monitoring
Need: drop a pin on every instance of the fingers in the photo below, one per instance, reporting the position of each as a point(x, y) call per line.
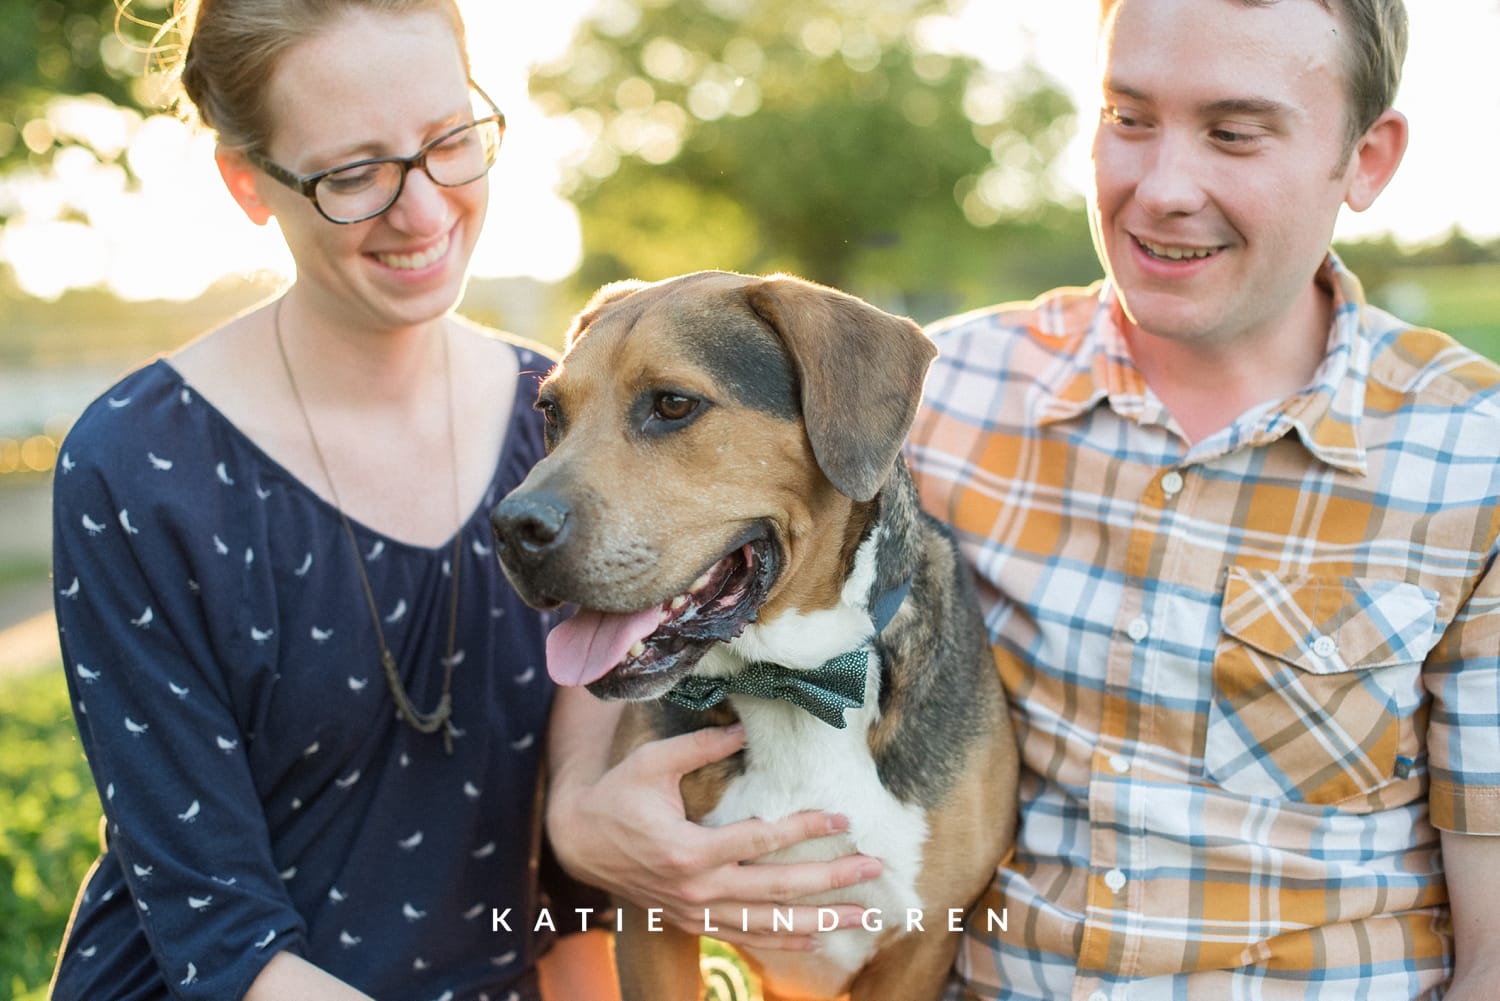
point(688, 752)
point(747, 840)
point(778, 883)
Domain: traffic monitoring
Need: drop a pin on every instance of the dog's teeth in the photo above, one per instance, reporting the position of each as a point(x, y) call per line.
point(678, 602)
point(701, 582)
point(638, 649)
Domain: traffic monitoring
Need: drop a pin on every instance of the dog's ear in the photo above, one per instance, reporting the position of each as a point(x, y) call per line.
point(861, 371)
point(590, 312)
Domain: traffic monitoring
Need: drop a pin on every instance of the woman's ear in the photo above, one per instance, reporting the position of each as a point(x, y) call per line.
point(242, 179)
point(1375, 159)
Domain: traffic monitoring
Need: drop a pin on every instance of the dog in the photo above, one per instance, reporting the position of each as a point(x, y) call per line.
point(725, 500)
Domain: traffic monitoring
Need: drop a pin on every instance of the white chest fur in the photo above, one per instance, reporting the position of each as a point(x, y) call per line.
point(797, 762)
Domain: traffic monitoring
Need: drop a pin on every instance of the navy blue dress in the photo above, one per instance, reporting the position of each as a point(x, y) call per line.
point(260, 792)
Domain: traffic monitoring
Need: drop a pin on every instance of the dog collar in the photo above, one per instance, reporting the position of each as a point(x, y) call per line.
point(825, 692)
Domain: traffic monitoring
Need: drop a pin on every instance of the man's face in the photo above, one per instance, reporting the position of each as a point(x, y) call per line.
point(1218, 163)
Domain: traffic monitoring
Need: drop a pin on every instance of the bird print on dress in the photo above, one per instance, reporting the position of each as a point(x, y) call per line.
point(290, 618)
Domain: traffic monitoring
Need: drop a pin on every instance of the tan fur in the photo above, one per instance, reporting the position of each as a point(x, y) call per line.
point(649, 514)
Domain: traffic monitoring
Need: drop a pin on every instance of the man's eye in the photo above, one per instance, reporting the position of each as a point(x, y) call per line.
point(672, 407)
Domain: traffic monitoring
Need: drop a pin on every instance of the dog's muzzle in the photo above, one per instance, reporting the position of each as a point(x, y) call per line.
point(530, 527)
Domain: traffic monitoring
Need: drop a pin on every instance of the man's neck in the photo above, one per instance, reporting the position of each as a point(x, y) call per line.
point(1205, 386)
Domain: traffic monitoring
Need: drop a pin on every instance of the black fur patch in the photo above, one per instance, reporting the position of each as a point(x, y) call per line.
point(746, 360)
point(931, 707)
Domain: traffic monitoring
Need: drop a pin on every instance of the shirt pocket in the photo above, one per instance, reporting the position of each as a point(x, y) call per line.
point(1316, 684)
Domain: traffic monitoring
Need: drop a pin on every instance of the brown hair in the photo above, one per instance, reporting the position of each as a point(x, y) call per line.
point(229, 49)
point(1373, 56)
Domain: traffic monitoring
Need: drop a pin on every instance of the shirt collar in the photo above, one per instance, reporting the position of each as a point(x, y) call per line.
point(1325, 415)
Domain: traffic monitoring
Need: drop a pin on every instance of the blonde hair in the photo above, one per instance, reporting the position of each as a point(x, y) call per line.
point(227, 50)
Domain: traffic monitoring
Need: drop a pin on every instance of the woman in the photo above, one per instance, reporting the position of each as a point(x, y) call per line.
point(313, 708)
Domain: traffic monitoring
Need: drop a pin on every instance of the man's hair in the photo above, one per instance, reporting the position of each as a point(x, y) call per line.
point(1373, 55)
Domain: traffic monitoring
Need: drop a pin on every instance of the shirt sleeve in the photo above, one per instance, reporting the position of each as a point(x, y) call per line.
point(1463, 740)
point(155, 716)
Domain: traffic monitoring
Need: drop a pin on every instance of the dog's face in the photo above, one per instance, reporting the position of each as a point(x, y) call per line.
point(710, 439)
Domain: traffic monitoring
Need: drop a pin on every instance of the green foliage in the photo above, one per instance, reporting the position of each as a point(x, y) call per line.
point(48, 828)
point(51, 47)
point(802, 135)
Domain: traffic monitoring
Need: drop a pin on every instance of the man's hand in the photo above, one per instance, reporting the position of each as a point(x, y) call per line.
point(625, 829)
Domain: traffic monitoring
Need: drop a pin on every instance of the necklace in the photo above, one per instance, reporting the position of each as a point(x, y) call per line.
point(441, 716)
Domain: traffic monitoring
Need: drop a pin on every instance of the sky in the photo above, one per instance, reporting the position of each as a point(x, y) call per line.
point(181, 232)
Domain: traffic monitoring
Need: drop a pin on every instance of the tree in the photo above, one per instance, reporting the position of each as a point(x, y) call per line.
point(75, 47)
point(821, 136)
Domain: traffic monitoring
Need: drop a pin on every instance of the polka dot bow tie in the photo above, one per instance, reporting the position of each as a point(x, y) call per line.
point(825, 691)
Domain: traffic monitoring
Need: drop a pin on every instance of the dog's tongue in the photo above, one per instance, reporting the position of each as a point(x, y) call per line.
point(584, 648)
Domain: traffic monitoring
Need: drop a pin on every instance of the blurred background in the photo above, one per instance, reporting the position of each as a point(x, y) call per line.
point(928, 155)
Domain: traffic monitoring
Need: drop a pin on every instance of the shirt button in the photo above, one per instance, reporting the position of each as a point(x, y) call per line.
point(1119, 764)
point(1138, 630)
point(1171, 483)
point(1115, 880)
point(1325, 647)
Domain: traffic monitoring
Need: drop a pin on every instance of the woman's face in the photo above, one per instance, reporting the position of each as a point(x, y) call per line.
point(374, 85)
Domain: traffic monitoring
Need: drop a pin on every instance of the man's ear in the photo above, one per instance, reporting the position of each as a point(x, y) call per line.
point(1375, 159)
point(241, 178)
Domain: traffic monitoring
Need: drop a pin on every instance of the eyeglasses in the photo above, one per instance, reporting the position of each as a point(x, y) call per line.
point(354, 192)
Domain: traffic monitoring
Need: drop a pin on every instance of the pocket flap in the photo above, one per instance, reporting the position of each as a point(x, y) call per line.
point(1325, 625)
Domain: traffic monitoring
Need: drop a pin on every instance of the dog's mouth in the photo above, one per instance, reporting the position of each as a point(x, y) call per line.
point(635, 655)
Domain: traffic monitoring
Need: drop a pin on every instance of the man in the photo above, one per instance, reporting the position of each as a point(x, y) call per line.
point(1237, 538)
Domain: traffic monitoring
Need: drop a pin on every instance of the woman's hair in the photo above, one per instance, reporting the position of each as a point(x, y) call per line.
point(229, 49)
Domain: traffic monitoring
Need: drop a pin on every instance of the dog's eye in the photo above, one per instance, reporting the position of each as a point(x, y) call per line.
point(671, 407)
point(548, 410)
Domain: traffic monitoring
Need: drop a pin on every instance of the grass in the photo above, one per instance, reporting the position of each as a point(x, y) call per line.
point(49, 831)
point(1462, 300)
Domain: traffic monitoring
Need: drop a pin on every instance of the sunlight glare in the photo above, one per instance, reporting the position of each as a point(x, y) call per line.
point(177, 231)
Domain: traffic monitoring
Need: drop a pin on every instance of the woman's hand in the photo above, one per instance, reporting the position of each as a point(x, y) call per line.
point(625, 829)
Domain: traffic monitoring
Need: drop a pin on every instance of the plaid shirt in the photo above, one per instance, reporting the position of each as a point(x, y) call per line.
point(1252, 675)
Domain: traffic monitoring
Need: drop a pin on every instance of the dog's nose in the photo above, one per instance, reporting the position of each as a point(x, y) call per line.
point(531, 525)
